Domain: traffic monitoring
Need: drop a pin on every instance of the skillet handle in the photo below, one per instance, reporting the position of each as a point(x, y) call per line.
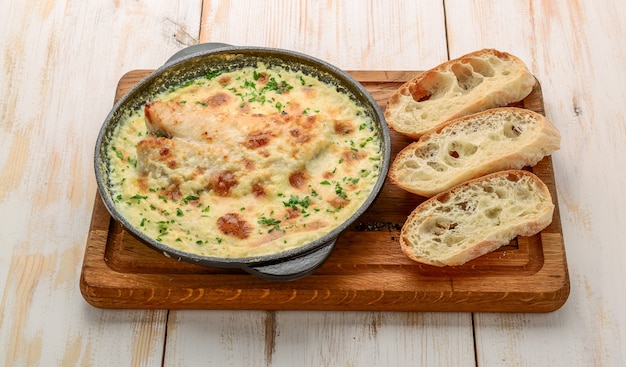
point(200, 47)
point(295, 268)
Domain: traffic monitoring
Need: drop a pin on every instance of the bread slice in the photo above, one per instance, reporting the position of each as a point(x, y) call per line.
point(472, 146)
point(475, 82)
point(476, 217)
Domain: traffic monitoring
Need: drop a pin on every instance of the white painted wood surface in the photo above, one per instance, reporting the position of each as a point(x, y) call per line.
point(60, 62)
point(577, 51)
point(59, 66)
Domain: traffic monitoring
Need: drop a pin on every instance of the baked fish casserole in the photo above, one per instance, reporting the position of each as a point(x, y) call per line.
point(243, 162)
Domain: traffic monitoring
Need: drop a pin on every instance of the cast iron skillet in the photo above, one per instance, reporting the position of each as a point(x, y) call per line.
point(198, 60)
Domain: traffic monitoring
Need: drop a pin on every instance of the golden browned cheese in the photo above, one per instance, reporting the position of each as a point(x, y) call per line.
point(246, 163)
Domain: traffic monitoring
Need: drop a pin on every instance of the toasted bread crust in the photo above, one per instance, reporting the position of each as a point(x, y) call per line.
point(474, 82)
point(471, 146)
point(476, 217)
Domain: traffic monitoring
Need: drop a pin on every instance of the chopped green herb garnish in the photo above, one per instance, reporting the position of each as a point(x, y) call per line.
point(212, 74)
point(163, 227)
point(295, 201)
point(340, 191)
point(279, 88)
point(270, 222)
point(189, 198)
point(186, 84)
point(248, 85)
point(366, 141)
point(117, 153)
point(138, 197)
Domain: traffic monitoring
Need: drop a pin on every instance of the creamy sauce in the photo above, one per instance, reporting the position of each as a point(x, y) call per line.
point(244, 163)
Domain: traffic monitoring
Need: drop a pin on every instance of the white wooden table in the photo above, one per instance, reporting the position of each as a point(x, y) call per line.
point(59, 65)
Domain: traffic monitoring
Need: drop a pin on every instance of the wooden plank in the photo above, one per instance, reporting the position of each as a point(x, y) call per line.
point(366, 271)
point(60, 62)
point(313, 339)
point(392, 35)
point(573, 48)
point(352, 35)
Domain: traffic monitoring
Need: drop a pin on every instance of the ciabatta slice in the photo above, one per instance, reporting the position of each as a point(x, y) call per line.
point(476, 217)
point(472, 146)
point(475, 82)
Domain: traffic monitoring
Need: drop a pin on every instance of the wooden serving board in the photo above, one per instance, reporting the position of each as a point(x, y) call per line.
point(366, 271)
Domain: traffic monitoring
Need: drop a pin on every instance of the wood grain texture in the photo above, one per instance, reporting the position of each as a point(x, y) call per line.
point(60, 61)
point(313, 339)
point(366, 271)
point(364, 35)
point(574, 49)
point(59, 64)
point(411, 38)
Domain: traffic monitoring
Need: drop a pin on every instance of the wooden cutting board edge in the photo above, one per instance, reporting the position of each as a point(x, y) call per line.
point(545, 290)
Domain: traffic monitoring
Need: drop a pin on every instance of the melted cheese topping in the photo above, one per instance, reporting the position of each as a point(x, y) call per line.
point(244, 163)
